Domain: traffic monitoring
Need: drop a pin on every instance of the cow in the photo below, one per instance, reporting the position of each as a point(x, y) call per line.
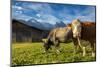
point(87, 32)
point(58, 35)
point(84, 31)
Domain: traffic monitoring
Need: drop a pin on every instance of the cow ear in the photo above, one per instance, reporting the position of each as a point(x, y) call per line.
point(44, 40)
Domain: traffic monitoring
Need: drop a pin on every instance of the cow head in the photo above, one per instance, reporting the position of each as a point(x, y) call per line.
point(76, 28)
point(46, 44)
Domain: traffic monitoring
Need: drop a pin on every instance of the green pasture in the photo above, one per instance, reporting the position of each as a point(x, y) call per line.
point(33, 53)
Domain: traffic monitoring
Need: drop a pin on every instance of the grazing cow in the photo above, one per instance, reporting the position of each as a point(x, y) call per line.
point(56, 36)
point(85, 31)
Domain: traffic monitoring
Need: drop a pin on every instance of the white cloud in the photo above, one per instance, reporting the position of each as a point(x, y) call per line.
point(48, 18)
point(20, 16)
point(17, 7)
point(39, 8)
point(87, 14)
point(46, 14)
point(20, 12)
point(38, 15)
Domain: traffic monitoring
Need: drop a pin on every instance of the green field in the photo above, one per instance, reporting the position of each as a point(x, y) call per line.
point(32, 53)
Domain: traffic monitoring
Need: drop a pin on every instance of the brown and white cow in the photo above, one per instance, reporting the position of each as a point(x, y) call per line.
point(84, 31)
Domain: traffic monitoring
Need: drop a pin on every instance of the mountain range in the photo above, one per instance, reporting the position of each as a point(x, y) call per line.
point(42, 25)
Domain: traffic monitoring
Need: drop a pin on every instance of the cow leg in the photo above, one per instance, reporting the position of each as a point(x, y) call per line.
point(57, 47)
point(93, 49)
point(84, 51)
point(83, 48)
point(47, 48)
point(75, 42)
point(78, 46)
point(79, 43)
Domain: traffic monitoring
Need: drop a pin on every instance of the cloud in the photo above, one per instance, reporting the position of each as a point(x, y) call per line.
point(45, 12)
point(38, 15)
point(87, 14)
point(17, 7)
point(20, 12)
point(20, 16)
point(32, 6)
point(39, 7)
point(48, 18)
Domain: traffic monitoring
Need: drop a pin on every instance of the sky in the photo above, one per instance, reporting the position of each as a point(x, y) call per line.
point(51, 12)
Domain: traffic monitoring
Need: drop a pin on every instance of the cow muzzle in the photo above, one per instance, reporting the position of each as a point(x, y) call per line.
point(76, 35)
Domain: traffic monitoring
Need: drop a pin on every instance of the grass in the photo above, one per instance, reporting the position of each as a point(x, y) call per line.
point(33, 53)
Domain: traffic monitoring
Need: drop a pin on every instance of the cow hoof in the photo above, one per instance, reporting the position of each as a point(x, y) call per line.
point(58, 51)
point(93, 54)
point(83, 54)
point(44, 51)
